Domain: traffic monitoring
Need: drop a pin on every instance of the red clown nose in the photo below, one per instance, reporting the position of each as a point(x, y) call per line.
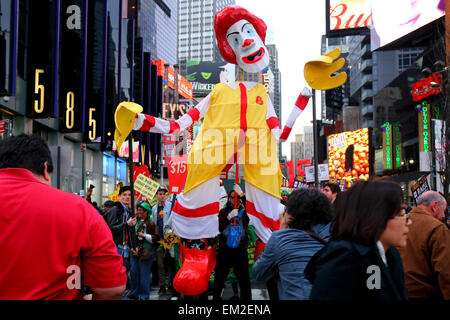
point(247, 42)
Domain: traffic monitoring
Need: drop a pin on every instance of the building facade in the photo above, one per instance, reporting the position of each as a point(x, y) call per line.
point(94, 58)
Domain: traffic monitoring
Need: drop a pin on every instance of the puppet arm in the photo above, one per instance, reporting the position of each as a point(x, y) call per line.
point(145, 122)
point(272, 120)
point(300, 105)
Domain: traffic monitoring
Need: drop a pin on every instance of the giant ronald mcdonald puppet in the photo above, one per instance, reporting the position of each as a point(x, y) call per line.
point(239, 122)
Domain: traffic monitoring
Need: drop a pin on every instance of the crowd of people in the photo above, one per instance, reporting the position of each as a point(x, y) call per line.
point(361, 243)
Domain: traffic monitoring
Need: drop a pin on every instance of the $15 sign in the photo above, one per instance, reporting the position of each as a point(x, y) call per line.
point(177, 173)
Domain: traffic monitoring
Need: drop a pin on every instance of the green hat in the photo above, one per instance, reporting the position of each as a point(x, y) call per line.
point(144, 205)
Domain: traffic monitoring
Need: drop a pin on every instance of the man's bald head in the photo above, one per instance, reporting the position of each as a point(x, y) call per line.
point(434, 203)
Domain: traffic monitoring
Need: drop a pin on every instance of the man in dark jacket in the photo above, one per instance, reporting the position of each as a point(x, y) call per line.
point(119, 220)
point(121, 223)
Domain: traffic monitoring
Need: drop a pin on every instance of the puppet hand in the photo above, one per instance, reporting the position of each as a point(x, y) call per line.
point(303, 98)
point(124, 119)
point(318, 72)
point(232, 214)
point(238, 190)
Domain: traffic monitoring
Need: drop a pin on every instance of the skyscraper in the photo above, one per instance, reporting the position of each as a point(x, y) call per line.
point(196, 38)
point(157, 25)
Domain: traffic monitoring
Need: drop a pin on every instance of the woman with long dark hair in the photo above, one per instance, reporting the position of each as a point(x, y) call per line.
point(361, 261)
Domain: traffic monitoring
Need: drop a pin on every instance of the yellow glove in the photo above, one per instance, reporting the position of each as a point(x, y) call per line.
point(124, 118)
point(318, 72)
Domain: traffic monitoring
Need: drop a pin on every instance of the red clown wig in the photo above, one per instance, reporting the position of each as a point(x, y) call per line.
point(228, 16)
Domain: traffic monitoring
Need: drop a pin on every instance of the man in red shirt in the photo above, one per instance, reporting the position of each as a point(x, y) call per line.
point(52, 242)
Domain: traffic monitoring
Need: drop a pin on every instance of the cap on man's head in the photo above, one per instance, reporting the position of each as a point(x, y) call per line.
point(123, 189)
point(144, 205)
point(162, 188)
point(108, 203)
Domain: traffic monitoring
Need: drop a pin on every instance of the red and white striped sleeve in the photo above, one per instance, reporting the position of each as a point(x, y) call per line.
point(272, 120)
point(300, 105)
point(145, 122)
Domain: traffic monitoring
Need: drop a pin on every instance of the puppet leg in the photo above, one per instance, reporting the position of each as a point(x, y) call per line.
point(195, 218)
point(263, 210)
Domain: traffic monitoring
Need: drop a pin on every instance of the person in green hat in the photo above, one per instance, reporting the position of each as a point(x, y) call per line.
point(144, 254)
point(284, 196)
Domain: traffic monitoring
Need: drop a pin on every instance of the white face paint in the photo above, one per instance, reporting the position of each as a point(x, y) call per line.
point(251, 53)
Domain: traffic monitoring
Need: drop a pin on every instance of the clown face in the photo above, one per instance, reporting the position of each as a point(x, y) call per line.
point(251, 53)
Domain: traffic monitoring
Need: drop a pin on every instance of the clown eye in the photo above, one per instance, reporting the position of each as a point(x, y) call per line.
point(248, 29)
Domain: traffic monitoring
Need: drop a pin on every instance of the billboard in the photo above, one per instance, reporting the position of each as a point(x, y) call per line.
point(349, 156)
point(392, 20)
point(347, 17)
point(205, 75)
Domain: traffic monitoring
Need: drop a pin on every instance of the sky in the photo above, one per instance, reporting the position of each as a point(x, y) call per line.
point(296, 27)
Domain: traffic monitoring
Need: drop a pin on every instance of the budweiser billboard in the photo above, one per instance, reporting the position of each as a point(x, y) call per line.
point(347, 17)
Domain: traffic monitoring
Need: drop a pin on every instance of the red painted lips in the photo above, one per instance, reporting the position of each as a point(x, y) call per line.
point(254, 57)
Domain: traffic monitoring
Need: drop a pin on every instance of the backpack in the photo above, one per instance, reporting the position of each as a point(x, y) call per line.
point(234, 232)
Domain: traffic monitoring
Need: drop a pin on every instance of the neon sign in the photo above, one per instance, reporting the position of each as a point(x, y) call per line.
point(387, 145)
point(424, 128)
point(422, 89)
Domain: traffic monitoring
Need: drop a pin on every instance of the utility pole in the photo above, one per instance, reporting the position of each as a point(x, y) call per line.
point(316, 149)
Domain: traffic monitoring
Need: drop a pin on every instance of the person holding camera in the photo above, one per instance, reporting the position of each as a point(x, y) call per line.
point(144, 254)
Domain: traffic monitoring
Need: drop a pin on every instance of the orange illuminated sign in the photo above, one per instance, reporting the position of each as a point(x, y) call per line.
point(184, 86)
point(348, 156)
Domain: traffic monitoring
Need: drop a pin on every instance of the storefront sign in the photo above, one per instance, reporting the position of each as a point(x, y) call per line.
point(419, 187)
point(424, 88)
point(173, 111)
point(424, 128)
point(387, 146)
point(397, 142)
point(184, 86)
point(72, 67)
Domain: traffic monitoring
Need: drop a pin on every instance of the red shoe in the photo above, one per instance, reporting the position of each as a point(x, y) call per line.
point(197, 265)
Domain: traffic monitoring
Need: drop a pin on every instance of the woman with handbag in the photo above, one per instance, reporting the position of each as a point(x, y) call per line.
point(143, 255)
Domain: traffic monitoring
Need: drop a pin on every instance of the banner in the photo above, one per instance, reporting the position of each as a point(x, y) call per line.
point(177, 171)
point(146, 186)
point(301, 164)
point(290, 166)
point(323, 174)
point(419, 187)
point(300, 182)
point(137, 170)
